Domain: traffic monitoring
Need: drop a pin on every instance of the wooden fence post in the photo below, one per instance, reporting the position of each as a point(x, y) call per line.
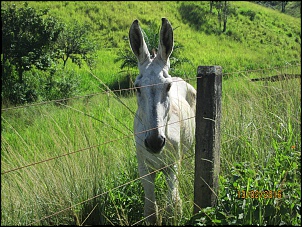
point(207, 135)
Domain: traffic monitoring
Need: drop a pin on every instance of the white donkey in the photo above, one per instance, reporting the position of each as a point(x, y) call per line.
point(164, 125)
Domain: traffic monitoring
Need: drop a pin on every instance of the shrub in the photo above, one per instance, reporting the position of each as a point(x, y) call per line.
point(15, 92)
point(61, 84)
point(249, 13)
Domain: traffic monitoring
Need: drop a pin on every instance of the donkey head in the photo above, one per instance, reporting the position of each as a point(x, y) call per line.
point(153, 84)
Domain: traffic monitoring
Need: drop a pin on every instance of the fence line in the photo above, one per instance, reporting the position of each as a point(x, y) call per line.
point(275, 78)
point(129, 89)
point(257, 70)
point(125, 136)
point(89, 199)
point(110, 141)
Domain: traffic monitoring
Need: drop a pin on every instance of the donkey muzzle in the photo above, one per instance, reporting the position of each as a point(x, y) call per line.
point(155, 143)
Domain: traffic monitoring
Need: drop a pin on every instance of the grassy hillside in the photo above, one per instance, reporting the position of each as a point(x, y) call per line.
point(256, 36)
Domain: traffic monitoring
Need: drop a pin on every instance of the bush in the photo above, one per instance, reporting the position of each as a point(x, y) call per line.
point(249, 13)
point(281, 205)
point(13, 92)
point(61, 84)
point(37, 85)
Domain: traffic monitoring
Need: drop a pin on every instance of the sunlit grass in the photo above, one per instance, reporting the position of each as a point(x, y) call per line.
point(88, 150)
point(55, 132)
point(260, 127)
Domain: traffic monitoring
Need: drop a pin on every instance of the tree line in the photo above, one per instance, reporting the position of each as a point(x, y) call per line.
point(35, 49)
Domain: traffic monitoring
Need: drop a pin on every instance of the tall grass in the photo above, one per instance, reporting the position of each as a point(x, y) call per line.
point(39, 133)
point(92, 180)
point(261, 144)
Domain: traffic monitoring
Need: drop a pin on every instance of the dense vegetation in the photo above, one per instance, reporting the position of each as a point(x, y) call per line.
point(255, 37)
point(292, 8)
point(73, 162)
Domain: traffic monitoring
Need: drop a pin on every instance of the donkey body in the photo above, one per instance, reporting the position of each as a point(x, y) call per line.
point(164, 125)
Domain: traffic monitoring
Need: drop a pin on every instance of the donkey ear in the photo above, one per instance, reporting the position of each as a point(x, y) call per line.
point(165, 40)
point(137, 42)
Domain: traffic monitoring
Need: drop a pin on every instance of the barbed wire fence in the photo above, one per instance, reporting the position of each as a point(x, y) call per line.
point(113, 92)
point(125, 136)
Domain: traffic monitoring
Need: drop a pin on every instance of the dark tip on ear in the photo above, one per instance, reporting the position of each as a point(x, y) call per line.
point(166, 23)
point(135, 21)
point(166, 39)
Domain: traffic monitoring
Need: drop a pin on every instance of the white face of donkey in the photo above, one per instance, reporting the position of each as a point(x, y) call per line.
point(153, 84)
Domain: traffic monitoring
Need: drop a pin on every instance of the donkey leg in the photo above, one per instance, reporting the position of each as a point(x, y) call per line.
point(174, 207)
point(150, 207)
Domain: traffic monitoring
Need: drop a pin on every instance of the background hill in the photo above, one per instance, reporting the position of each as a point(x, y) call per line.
point(255, 37)
point(292, 8)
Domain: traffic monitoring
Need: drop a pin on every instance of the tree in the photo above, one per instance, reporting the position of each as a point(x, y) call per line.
point(211, 6)
point(225, 15)
point(283, 4)
point(223, 11)
point(27, 37)
point(73, 43)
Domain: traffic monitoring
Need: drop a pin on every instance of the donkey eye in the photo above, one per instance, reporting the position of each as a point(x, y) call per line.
point(168, 87)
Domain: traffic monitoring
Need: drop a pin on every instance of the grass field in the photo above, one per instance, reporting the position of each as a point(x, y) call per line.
point(261, 142)
point(74, 163)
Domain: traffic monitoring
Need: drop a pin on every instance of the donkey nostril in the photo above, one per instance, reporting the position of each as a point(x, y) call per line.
point(155, 144)
point(164, 141)
point(146, 143)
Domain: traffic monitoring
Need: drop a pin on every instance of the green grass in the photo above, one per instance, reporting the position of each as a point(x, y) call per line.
point(88, 146)
point(52, 131)
point(260, 151)
point(261, 143)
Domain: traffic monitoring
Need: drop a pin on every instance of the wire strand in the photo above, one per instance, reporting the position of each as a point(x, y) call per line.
point(129, 89)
